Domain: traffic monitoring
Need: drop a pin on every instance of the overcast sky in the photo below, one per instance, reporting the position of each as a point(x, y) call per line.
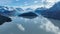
point(26, 2)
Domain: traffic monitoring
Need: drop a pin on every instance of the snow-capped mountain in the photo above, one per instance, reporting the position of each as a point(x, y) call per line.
point(7, 11)
point(40, 10)
point(53, 12)
point(19, 9)
point(55, 7)
point(38, 25)
point(48, 13)
point(29, 10)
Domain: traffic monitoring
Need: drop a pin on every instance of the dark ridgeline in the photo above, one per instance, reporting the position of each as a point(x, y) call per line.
point(4, 19)
point(29, 9)
point(52, 13)
point(19, 9)
point(9, 13)
point(29, 15)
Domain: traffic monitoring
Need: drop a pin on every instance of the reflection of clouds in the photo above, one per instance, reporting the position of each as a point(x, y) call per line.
point(49, 26)
point(21, 27)
point(35, 22)
point(46, 25)
point(30, 25)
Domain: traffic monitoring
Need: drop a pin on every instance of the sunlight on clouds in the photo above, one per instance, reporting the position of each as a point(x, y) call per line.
point(52, 1)
point(49, 3)
point(17, 0)
point(32, 6)
point(35, 1)
point(44, 3)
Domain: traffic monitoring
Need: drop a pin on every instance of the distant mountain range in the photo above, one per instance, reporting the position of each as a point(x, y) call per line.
point(7, 11)
point(53, 12)
point(11, 11)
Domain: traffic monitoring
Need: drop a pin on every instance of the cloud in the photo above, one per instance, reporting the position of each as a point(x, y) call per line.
point(32, 6)
point(21, 27)
point(44, 3)
point(5, 2)
point(49, 26)
point(35, 1)
point(17, 0)
point(50, 3)
point(53, 1)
